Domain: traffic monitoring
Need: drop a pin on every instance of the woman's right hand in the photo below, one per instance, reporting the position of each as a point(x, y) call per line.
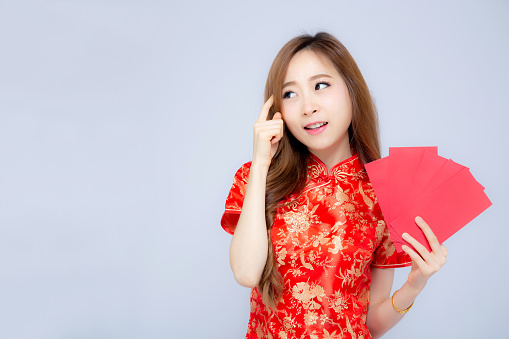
point(267, 134)
point(249, 246)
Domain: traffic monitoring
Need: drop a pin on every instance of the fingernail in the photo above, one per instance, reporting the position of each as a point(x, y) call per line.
point(405, 235)
point(418, 219)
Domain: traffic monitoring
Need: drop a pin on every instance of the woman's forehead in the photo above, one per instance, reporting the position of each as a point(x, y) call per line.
point(307, 63)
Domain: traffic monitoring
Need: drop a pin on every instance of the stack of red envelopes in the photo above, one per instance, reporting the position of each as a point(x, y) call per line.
point(416, 181)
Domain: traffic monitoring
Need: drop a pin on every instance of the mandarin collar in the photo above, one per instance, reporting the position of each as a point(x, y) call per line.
point(350, 167)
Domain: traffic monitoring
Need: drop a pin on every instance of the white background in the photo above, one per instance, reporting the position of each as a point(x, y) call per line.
point(122, 124)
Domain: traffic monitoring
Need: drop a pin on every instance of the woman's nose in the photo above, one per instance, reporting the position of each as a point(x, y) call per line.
point(309, 105)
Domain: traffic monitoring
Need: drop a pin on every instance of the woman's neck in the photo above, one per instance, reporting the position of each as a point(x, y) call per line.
point(331, 158)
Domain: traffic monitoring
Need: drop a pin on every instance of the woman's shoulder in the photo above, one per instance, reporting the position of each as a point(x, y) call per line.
point(243, 171)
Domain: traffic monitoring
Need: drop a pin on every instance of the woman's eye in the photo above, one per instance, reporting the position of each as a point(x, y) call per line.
point(288, 94)
point(321, 85)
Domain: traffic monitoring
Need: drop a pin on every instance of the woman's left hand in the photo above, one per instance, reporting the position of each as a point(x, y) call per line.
point(424, 262)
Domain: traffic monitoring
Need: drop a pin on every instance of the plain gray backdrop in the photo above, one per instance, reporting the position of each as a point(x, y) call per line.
point(122, 124)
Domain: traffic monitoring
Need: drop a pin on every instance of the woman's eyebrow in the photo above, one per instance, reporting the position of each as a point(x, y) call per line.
point(321, 75)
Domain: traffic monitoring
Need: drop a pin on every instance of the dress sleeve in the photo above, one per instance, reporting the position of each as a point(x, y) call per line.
point(235, 199)
point(385, 255)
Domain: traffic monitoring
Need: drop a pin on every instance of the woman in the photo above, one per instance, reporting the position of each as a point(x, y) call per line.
point(308, 234)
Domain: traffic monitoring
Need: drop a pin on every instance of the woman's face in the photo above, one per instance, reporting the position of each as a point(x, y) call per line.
point(316, 105)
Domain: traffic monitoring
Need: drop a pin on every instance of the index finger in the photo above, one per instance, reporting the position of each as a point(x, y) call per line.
point(430, 236)
point(265, 109)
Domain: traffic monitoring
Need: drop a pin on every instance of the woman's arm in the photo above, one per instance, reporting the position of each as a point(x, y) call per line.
point(248, 248)
point(381, 315)
point(249, 245)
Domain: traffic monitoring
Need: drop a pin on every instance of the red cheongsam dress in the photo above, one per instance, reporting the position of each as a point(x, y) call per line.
point(325, 244)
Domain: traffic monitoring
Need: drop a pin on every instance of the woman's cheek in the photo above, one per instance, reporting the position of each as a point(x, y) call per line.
point(289, 109)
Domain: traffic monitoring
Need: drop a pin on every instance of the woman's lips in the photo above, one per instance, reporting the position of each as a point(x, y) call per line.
point(316, 130)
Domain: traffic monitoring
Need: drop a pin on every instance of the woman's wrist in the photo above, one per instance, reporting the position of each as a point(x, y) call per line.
point(406, 296)
point(259, 167)
point(415, 288)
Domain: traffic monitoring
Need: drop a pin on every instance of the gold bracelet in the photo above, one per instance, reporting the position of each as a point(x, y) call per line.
point(397, 309)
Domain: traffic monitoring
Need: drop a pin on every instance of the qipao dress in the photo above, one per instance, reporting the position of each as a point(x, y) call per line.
point(325, 243)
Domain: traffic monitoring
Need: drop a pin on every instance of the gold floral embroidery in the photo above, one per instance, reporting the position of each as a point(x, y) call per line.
point(304, 263)
point(281, 256)
point(338, 302)
point(288, 323)
point(310, 318)
point(331, 335)
point(367, 200)
point(305, 293)
point(259, 331)
point(349, 207)
point(380, 229)
point(321, 239)
point(325, 240)
point(337, 242)
point(336, 226)
point(300, 220)
point(341, 197)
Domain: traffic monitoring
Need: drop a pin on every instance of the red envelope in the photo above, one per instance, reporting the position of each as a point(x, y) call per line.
point(430, 164)
point(403, 163)
point(378, 172)
point(415, 181)
point(449, 208)
point(445, 173)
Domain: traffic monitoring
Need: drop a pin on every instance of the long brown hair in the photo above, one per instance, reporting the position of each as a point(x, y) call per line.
point(288, 170)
